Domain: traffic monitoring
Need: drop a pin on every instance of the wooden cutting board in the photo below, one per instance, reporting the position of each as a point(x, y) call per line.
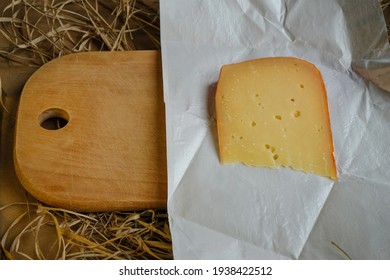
point(90, 132)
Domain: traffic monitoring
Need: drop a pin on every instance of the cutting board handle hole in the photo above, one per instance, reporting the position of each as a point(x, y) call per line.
point(53, 119)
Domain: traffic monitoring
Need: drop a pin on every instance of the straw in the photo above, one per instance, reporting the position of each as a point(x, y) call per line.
point(39, 31)
point(106, 235)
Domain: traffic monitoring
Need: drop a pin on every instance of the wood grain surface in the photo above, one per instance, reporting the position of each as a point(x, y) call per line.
point(90, 132)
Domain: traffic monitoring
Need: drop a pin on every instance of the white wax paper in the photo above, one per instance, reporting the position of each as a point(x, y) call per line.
point(239, 212)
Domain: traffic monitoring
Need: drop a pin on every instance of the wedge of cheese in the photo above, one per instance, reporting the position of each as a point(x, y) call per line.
point(273, 112)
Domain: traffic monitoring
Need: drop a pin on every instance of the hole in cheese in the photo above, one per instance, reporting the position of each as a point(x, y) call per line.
point(297, 114)
point(308, 145)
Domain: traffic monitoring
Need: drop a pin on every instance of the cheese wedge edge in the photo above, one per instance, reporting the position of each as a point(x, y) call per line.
point(273, 112)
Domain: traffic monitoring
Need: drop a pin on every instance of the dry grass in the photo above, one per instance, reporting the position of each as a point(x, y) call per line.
point(385, 4)
point(39, 30)
point(106, 235)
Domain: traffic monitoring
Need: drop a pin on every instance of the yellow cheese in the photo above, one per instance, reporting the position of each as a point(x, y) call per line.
point(273, 112)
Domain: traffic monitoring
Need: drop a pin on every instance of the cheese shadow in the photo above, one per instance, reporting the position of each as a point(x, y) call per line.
point(211, 107)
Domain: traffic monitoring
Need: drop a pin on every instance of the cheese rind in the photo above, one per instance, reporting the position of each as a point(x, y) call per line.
point(273, 112)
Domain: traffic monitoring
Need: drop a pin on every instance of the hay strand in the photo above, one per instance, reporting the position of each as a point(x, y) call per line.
point(39, 31)
point(110, 235)
point(2, 96)
point(341, 250)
